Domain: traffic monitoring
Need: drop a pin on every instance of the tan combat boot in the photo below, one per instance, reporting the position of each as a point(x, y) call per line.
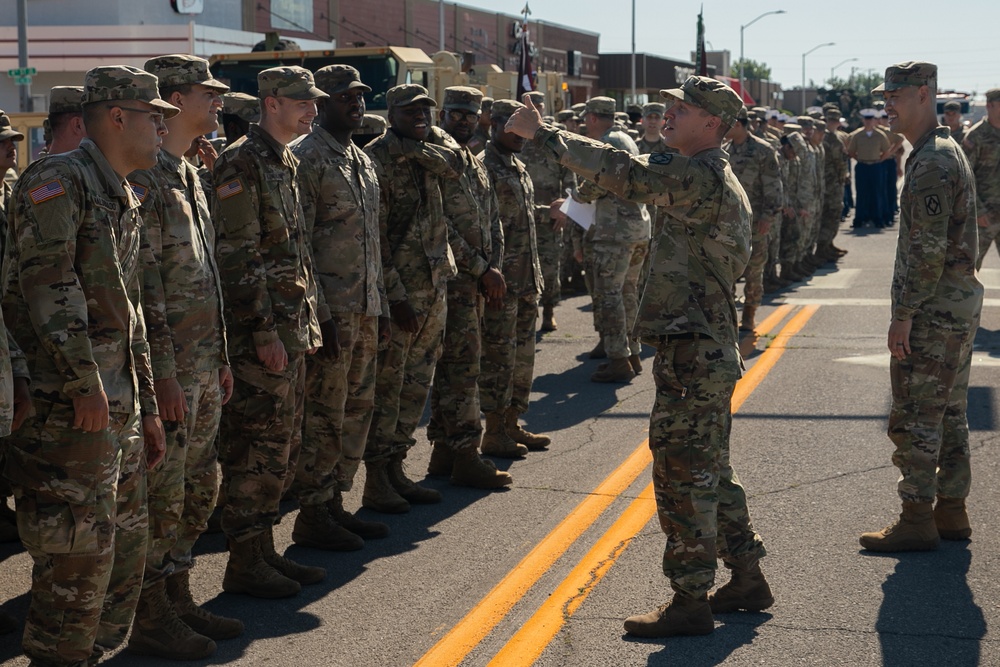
point(548, 319)
point(747, 321)
point(533, 441)
point(616, 370)
point(496, 441)
point(951, 519)
point(406, 487)
point(747, 590)
point(365, 529)
point(158, 631)
point(442, 460)
point(680, 617)
point(635, 363)
point(247, 572)
point(913, 531)
point(472, 470)
point(380, 495)
point(303, 574)
point(198, 618)
point(598, 352)
point(315, 528)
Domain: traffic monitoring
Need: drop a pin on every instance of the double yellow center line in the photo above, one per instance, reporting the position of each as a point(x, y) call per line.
point(527, 644)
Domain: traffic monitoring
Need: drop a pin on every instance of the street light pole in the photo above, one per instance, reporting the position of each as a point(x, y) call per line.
point(843, 62)
point(633, 52)
point(22, 52)
point(742, 28)
point(820, 46)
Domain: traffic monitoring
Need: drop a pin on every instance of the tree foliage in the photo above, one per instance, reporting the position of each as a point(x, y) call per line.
point(752, 70)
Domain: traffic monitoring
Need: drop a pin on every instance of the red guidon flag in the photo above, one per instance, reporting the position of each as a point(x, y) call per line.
point(525, 70)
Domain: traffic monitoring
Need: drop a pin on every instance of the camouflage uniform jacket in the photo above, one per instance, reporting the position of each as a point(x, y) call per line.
point(808, 189)
point(616, 219)
point(414, 234)
point(12, 361)
point(549, 178)
point(982, 146)
point(182, 295)
point(76, 226)
point(934, 279)
point(755, 163)
point(479, 140)
point(647, 147)
point(705, 243)
point(262, 250)
point(835, 163)
point(516, 197)
point(790, 180)
point(340, 199)
point(959, 134)
point(820, 170)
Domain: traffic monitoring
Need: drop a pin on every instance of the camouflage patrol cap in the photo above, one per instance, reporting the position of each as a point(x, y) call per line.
point(578, 108)
point(6, 131)
point(505, 108)
point(407, 94)
point(953, 105)
point(291, 81)
point(798, 143)
point(653, 107)
point(180, 69)
point(372, 124)
point(805, 121)
point(334, 79)
point(242, 106)
point(760, 111)
point(622, 117)
point(486, 104)
point(603, 106)
point(713, 96)
point(548, 119)
point(831, 113)
point(993, 95)
point(65, 99)
point(743, 114)
point(463, 97)
point(536, 96)
point(565, 115)
point(910, 73)
point(116, 83)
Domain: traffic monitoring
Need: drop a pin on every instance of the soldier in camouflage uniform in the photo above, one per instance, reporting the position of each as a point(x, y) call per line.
point(652, 142)
point(182, 304)
point(66, 119)
point(476, 239)
point(481, 136)
point(550, 180)
point(952, 117)
point(417, 263)
point(271, 307)
point(815, 140)
point(340, 199)
point(835, 171)
point(755, 164)
point(79, 465)
point(808, 192)
point(689, 314)
point(508, 363)
point(619, 243)
point(982, 146)
point(796, 211)
point(936, 304)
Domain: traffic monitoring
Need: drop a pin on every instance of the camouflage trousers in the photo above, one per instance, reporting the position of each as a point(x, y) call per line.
point(587, 249)
point(773, 241)
point(455, 420)
point(81, 513)
point(617, 269)
point(550, 252)
point(259, 442)
point(184, 487)
point(927, 422)
point(405, 371)
point(791, 234)
point(339, 403)
point(508, 364)
point(829, 225)
point(701, 505)
point(753, 289)
point(987, 236)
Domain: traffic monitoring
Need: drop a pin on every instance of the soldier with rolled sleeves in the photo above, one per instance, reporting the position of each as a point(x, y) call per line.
point(755, 164)
point(182, 304)
point(340, 200)
point(618, 243)
point(936, 304)
point(481, 136)
point(476, 238)
point(271, 307)
point(689, 314)
point(982, 146)
point(66, 119)
point(79, 464)
point(417, 264)
point(836, 167)
point(551, 181)
point(651, 140)
point(508, 362)
point(952, 117)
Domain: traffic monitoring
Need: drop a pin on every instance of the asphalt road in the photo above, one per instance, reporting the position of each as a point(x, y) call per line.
point(545, 572)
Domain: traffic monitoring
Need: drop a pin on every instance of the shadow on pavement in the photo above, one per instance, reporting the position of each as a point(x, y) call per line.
point(737, 630)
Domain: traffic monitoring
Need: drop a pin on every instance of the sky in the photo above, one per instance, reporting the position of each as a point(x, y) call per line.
point(955, 36)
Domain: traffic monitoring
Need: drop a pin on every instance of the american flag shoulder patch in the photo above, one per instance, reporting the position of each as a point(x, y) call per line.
point(140, 192)
point(229, 189)
point(47, 191)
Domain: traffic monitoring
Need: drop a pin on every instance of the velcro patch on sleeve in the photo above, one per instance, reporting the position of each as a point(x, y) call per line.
point(229, 189)
point(46, 191)
point(140, 192)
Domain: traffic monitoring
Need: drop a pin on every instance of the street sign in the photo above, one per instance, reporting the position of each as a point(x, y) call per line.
point(22, 72)
point(22, 80)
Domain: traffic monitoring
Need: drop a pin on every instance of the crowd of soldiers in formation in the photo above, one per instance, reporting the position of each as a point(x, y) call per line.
point(290, 292)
